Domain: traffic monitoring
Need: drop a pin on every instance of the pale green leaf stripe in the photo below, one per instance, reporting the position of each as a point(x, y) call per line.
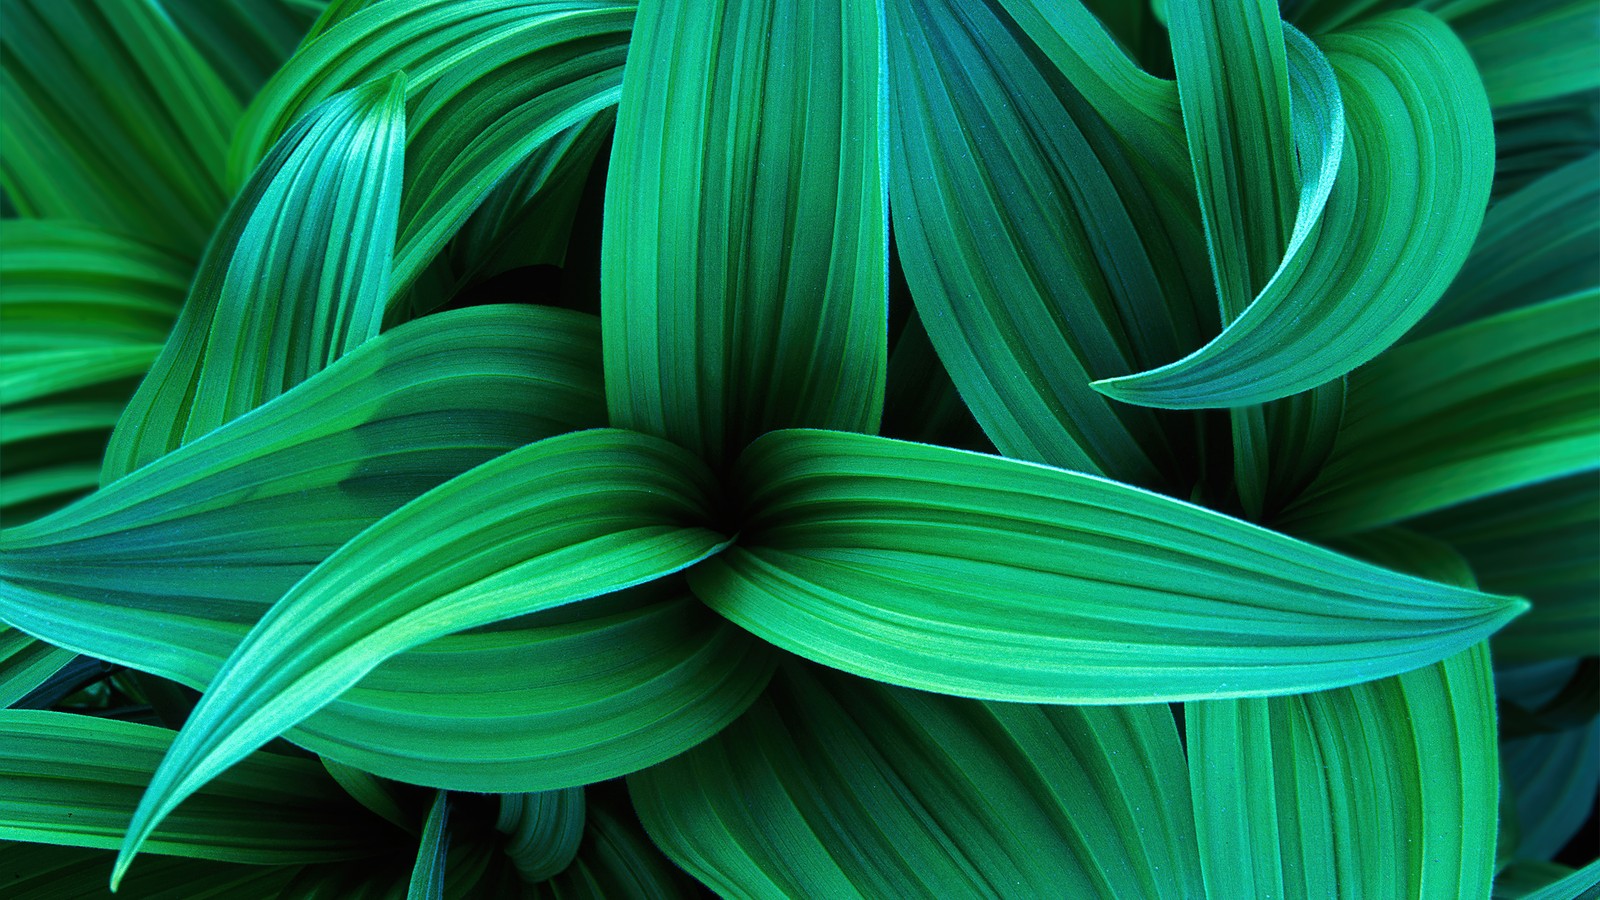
point(1287, 803)
point(26, 663)
point(1504, 402)
point(559, 521)
point(543, 831)
point(268, 499)
point(427, 876)
point(745, 252)
point(986, 577)
point(832, 786)
point(264, 314)
point(1407, 202)
point(1031, 241)
point(109, 115)
point(616, 860)
point(80, 306)
point(71, 779)
point(1541, 242)
point(489, 82)
point(1233, 84)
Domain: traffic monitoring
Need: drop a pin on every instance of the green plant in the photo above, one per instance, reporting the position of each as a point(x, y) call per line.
point(1157, 513)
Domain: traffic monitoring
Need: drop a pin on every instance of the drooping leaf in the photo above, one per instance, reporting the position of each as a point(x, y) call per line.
point(427, 876)
point(109, 115)
point(1407, 201)
point(1503, 402)
point(543, 831)
point(555, 522)
point(973, 575)
point(1552, 780)
point(832, 786)
point(70, 779)
point(1038, 256)
point(297, 276)
point(745, 253)
point(1382, 789)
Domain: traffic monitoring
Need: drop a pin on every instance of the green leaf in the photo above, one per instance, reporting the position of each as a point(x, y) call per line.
point(80, 307)
point(46, 872)
point(25, 664)
point(1552, 779)
point(1408, 199)
point(831, 786)
point(489, 82)
point(744, 264)
point(1041, 250)
point(1541, 242)
point(1504, 402)
point(1529, 51)
point(616, 860)
point(245, 41)
point(266, 312)
point(555, 522)
point(968, 574)
point(69, 779)
point(427, 876)
point(1388, 788)
point(543, 831)
point(1535, 542)
point(110, 116)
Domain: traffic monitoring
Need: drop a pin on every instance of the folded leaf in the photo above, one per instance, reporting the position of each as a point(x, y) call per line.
point(70, 779)
point(542, 831)
point(745, 255)
point(296, 277)
point(985, 577)
point(1035, 243)
point(1408, 199)
point(112, 117)
point(1382, 789)
point(616, 859)
point(555, 522)
point(831, 786)
point(1501, 403)
point(26, 663)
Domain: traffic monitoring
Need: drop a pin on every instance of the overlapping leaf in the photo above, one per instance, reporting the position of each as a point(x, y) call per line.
point(967, 574)
point(427, 875)
point(832, 786)
point(542, 831)
point(745, 253)
point(26, 663)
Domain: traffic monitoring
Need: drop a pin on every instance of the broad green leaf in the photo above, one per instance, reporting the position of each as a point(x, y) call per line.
point(1537, 542)
point(558, 521)
point(1552, 779)
point(1501, 403)
point(80, 306)
point(1381, 789)
point(489, 82)
point(1408, 199)
point(427, 876)
point(1033, 238)
point(993, 578)
point(109, 115)
point(1529, 50)
point(616, 861)
point(26, 663)
point(1541, 242)
point(832, 786)
point(297, 276)
point(744, 267)
point(70, 779)
point(542, 830)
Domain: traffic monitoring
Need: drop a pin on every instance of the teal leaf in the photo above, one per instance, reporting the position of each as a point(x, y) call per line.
point(745, 254)
point(26, 663)
point(558, 521)
point(968, 574)
point(427, 876)
point(543, 831)
point(832, 786)
point(1552, 780)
